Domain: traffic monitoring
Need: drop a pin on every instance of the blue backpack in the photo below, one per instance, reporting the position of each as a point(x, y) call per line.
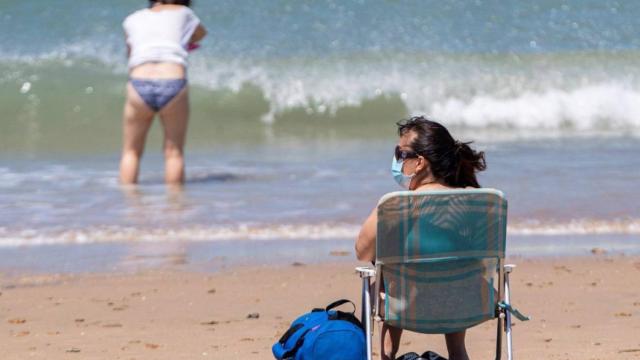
point(323, 334)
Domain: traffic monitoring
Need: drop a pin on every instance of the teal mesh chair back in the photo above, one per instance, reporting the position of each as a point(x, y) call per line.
point(438, 253)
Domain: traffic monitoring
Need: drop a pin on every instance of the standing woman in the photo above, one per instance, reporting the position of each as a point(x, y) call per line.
point(158, 40)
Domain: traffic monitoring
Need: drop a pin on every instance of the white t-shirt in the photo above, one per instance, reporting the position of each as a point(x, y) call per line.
point(159, 36)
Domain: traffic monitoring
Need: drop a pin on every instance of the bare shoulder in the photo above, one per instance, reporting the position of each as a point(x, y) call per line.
point(171, 7)
point(134, 15)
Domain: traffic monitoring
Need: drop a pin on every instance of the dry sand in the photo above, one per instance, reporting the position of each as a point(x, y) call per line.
point(585, 308)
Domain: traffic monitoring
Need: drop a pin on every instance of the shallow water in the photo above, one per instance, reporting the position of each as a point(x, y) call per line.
point(315, 190)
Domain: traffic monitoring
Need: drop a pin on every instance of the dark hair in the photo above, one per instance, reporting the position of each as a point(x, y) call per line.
point(452, 161)
point(175, 2)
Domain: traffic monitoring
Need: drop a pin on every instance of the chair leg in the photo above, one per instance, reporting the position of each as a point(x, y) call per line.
point(366, 294)
point(366, 274)
point(499, 339)
point(507, 315)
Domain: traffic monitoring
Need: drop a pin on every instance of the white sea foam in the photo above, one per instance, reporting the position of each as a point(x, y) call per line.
point(577, 227)
point(217, 233)
point(322, 231)
point(606, 106)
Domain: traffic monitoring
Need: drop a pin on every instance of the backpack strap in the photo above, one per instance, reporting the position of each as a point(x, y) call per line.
point(291, 353)
point(334, 305)
point(289, 332)
point(341, 315)
point(337, 303)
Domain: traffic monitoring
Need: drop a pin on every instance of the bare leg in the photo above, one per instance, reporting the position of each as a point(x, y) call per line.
point(137, 120)
point(389, 341)
point(175, 117)
point(455, 346)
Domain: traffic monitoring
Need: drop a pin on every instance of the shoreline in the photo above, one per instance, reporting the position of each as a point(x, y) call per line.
point(169, 313)
point(218, 255)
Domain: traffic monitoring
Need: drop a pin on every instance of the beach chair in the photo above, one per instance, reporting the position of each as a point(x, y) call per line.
point(440, 259)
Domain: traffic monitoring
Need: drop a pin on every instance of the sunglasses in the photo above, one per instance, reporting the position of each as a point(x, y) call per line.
point(402, 155)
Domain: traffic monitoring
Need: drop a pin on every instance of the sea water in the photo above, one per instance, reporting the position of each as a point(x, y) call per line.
point(294, 107)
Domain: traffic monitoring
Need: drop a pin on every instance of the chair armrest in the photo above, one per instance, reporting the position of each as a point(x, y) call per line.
point(505, 306)
point(365, 271)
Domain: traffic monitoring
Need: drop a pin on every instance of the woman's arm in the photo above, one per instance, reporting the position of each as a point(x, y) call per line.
point(198, 34)
point(366, 243)
point(126, 42)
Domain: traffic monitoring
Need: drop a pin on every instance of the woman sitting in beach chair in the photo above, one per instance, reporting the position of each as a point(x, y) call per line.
point(426, 158)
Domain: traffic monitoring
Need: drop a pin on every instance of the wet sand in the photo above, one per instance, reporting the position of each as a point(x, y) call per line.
point(582, 308)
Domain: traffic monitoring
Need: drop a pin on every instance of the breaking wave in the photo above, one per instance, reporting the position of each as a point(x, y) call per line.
point(468, 92)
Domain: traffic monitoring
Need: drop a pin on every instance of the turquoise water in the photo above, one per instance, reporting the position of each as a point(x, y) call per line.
point(293, 112)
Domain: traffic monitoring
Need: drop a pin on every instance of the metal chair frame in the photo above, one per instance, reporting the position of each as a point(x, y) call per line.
point(370, 313)
point(502, 302)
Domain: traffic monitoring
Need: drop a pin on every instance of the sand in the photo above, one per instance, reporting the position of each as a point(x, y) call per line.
point(582, 308)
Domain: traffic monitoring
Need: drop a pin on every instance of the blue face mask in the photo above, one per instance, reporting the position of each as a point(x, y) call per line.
point(396, 170)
